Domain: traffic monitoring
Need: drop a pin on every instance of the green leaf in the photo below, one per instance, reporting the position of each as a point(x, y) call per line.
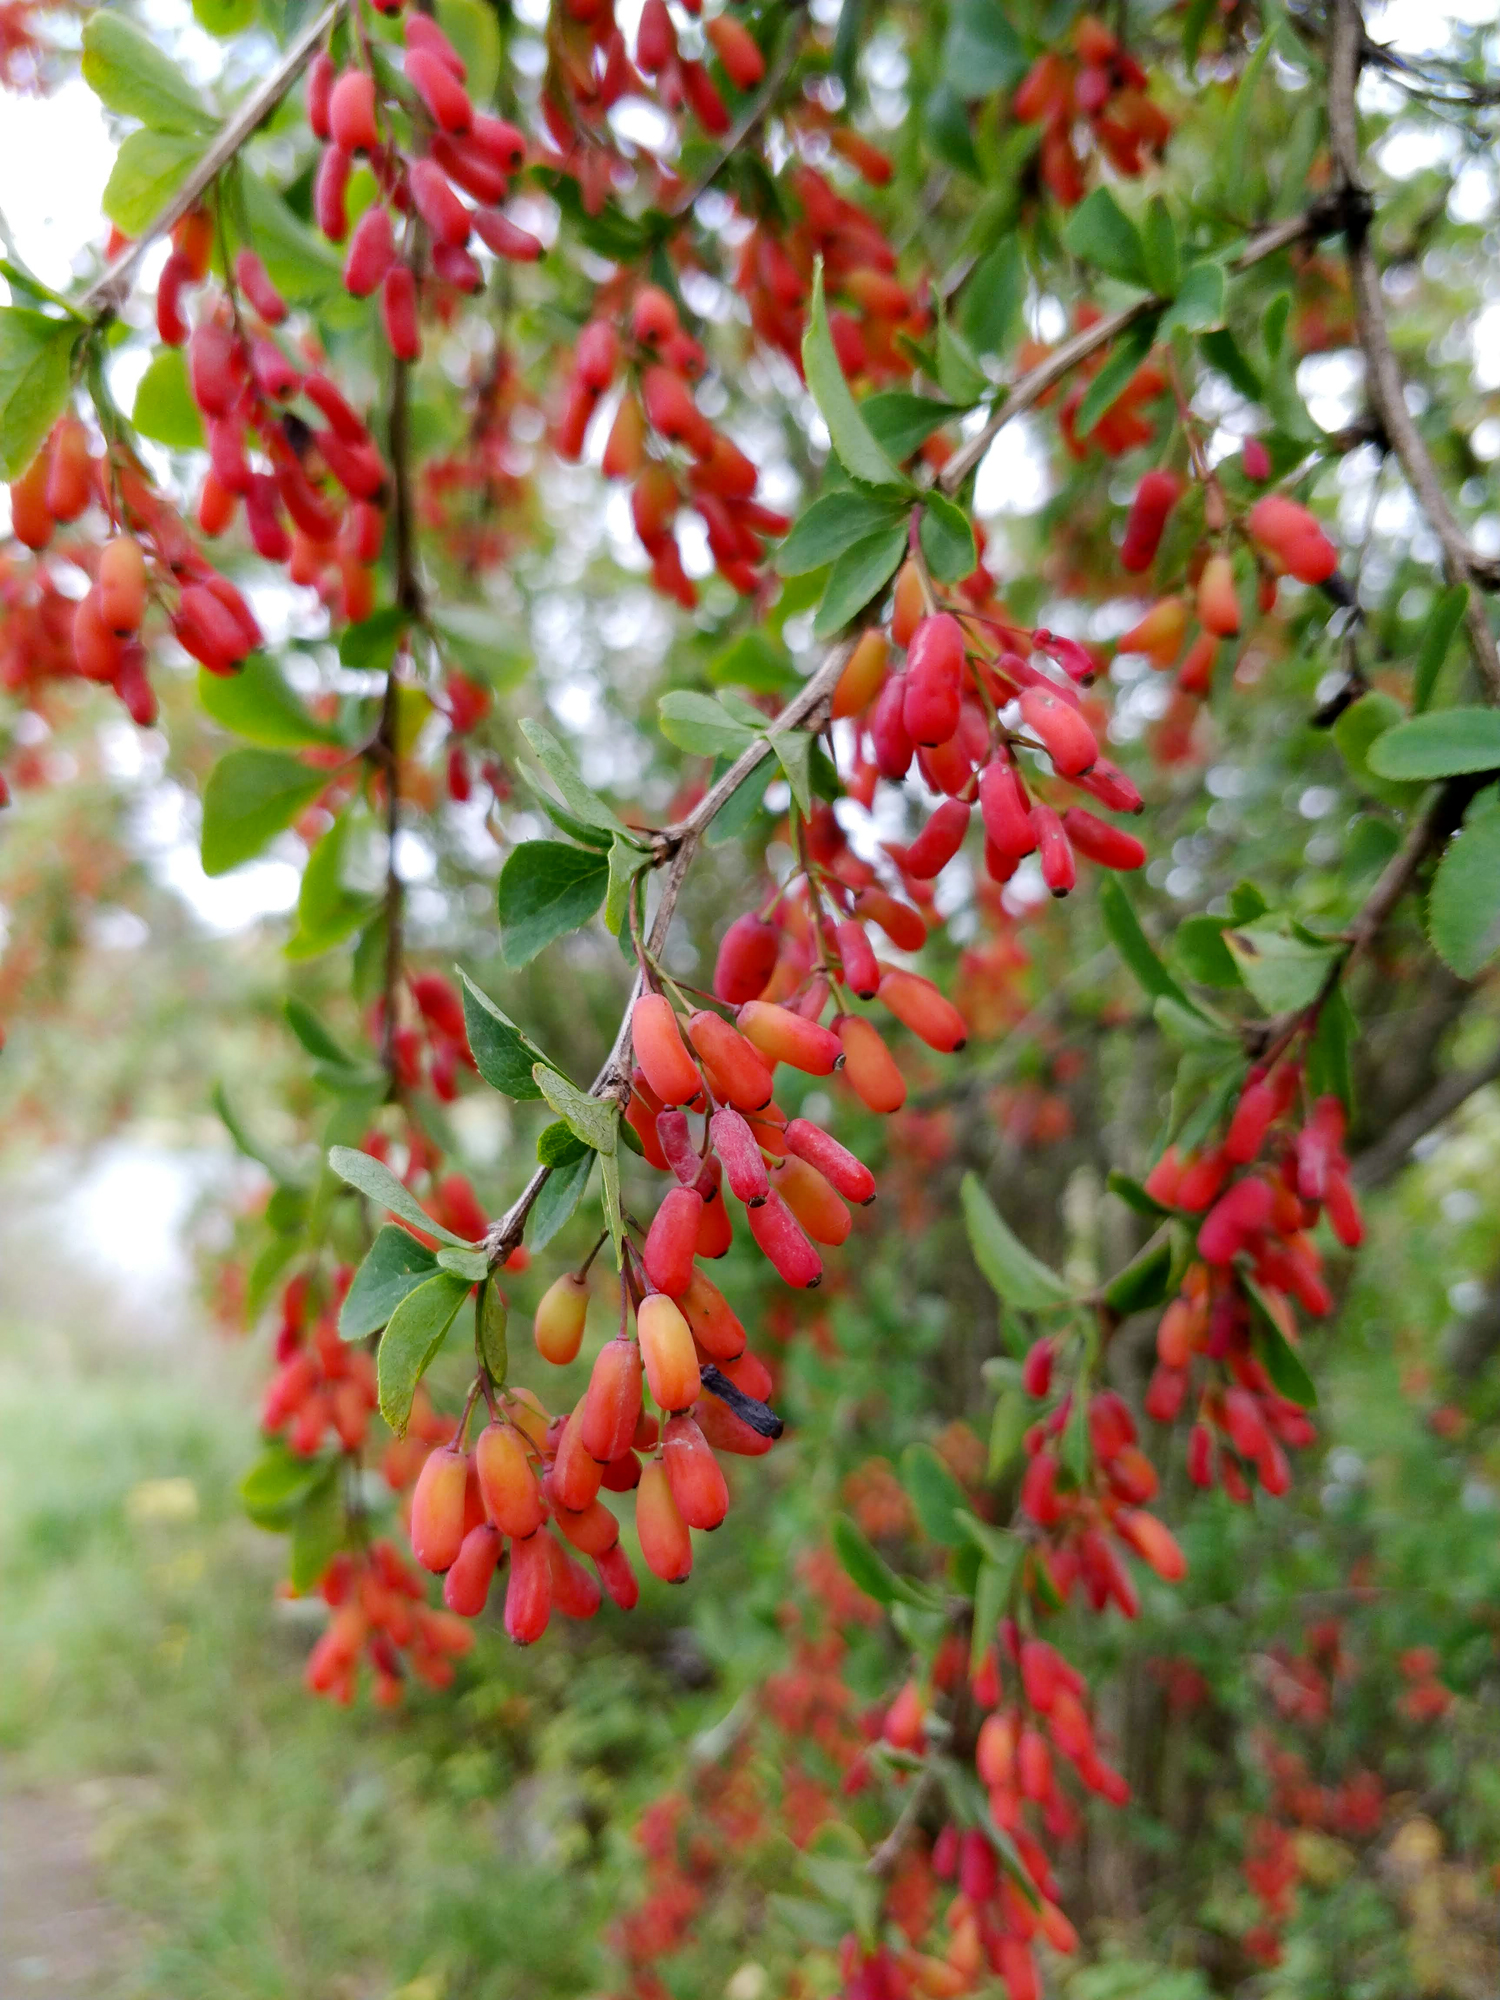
point(224, 17)
point(1281, 1361)
point(1329, 1067)
point(148, 170)
point(1199, 304)
point(902, 422)
point(1189, 1028)
point(947, 539)
point(794, 755)
point(277, 1484)
point(474, 31)
point(1142, 1283)
point(546, 890)
point(1099, 232)
point(853, 445)
point(959, 374)
point(1159, 249)
point(164, 409)
point(260, 703)
point(370, 646)
point(250, 797)
point(303, 266)
point(1134, 947)
point(564, 773)
point(591, 1119)
point(701, 725)
point(282, 1168)
point(982, 52)
point(1463, 907)
point(935, 1495)
point(1283, 970)
point(476, 638)
point(412, 1337)
point(1231, 150)
point(317, 1532)
point(948, 130)
point(471, 1265)
point(491, 1321)
point(991, 1593)
point(1200, 953)
point(614, 1215)
point(1222, 351)
point(737, 813)
point(993, 295)
point(560, 1196)
point(36, 371)
point(754, 660)
point(1355, 733)
point(1012, 1419)
point(128, 73)
point(374, 1179)
point(1019, 1278)
point(832, 524)
point(502, 1054)
point(558, 1145)
point(327, 912)
point(625, 864)
point(866, 1569)
point(1444, 743)
point(394, 1265)
point(1126, 356)
point(859, 573)
point(312, 1034)
point(1443, 622)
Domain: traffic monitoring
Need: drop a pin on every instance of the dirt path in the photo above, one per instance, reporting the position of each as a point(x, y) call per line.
point(58, 1939)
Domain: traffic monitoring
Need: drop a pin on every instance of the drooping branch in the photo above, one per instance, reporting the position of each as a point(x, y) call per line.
point(107, 292)
point(1379, 1162)
point(1387, 390)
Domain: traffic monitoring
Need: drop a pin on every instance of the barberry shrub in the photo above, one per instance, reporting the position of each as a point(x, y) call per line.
point(578, 461)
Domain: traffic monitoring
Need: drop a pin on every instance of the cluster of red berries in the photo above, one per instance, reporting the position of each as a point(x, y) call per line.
point(465, 152)
point(1255, 1225)
point(434, 1046)
point(968, 697)
point(1084, 1520)
point(148, 554)
point(378, 1613)
point(657, 415)
point(322, 1383)
point(1101, 83)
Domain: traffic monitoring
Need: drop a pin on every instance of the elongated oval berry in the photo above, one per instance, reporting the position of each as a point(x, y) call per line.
point(122, 585)
point(329, 191)
point(1109, 785)
point(31, 520)
point(96, 649)
point(863, 676)
point(781, 1240)
point(712, 1319)
point(746, 960)
point(1109, 845)
point(560, 1316)
point(371, 253)
point(812, 1201)
point(907, 604)
point(666, 1544)
point(506, 238)
point(1062, 731)
point(1005, 809)
point(467, 1583)
point(351, 112)
point(918, 1005)
point(437, 1508)
point(1153, 1542)
point(528, 1593)
point(1154, 500)
point(938, 842)
point(838, 1166)
point(669, 1069)
point(656, 38)
point(254, 281)
point(740, 1074)
point(934, 679)
point(783, 1036)
point(1251, 1120)
point(668, 1353)
point(738, 1149)
point(869, 1065)
point(715, 1230)
point(1159, 635)
point(437, 204)
point(205, 629)
point(213, 355)
point(512, 1494)
point(593, 1530)
point(575, 1475)
point(1058, 869)
point(321, 74)
point(398, 312)
point(1294, 537)
point(612, 1405)
point(694, 1474)
point(888, 730)
point(672, 1241)
point(70, 471)
point(737, 49)
point(861, 974)
point(574, 1592)
point(439, 89)
point(618, 1578)
point(1218, 606)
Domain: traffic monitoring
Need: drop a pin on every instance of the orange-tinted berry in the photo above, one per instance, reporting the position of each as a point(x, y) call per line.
point(528, 1594)
point(672, 1241)
point(782, 1036)
point(669, 1069)
point(781, 1240)
point(667, 1350)
point(869, 1067)
point(739, 1074)
point(512, 1494)
point(694, 1475)
point(918, 1005)
point(612, 1405)
point(122, 585)
point(712, 1319)
point(467, 1583)
point(666, 1544)
point(863, 676)
point(437, 1508)
point(560, 1316)
point(812, 1201)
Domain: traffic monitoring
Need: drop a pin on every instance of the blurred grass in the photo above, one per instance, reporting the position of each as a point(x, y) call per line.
point(272, 1847)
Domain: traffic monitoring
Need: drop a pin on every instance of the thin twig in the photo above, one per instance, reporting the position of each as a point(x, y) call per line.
point(1388, 1154)
point(883, 1861)
point(770, 90)
point(1386, 388)
point(107, 293)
